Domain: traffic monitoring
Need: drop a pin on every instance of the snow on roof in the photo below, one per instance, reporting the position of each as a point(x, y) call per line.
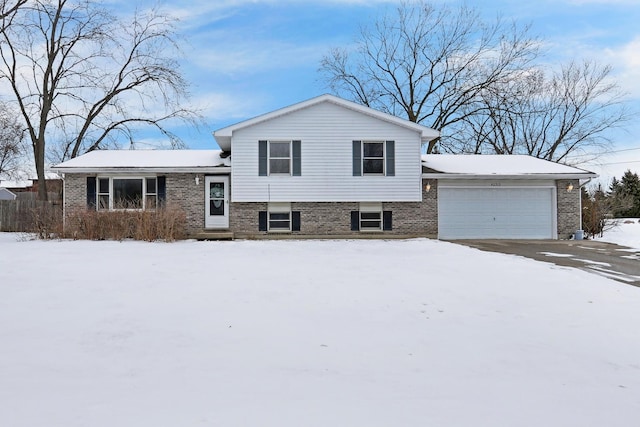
point(24, 183)
point(145, 159)
point(498, 165)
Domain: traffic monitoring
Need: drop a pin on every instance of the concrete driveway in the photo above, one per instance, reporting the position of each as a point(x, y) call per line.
point(606, 259)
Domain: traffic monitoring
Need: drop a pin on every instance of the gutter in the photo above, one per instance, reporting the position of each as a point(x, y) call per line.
point(216, 170)
point(590, 176)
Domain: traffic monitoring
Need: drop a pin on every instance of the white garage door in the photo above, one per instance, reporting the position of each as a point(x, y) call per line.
point(496, 213)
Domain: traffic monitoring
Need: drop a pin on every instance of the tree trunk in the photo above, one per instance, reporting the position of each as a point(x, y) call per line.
point(38, 152)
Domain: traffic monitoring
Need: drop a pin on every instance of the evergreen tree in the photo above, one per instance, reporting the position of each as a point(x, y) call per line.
point(628, 187)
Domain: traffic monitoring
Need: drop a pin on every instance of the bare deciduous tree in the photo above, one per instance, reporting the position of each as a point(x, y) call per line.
point(553, 118)
point(83, 79)
point(429, 64)
point(8, 8)
point(11, 142)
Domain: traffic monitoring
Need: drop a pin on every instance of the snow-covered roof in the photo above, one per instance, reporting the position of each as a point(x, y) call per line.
point(223, 136)
point(492, 166)
point(9, 183)
point(145, 160)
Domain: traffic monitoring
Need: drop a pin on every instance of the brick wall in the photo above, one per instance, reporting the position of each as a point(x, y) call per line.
point(568, 208)
point(320, 219)
point(183, 193)
point(75, 192)
point(334, 218)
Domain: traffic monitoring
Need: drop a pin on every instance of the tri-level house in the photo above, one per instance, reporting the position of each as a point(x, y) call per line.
point(327, 167)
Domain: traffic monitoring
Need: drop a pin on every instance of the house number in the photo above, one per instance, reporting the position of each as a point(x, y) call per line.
point(495, 184)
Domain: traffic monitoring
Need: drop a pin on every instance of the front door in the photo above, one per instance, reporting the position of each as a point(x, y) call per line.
point(216, 199)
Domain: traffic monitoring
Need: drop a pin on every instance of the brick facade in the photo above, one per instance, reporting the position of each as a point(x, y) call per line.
point(319, 219)
point(333, 219)
point(183, 193)
point(568, 203)
point(181, 190)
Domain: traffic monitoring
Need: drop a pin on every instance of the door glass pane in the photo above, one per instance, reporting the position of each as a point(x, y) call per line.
point(216, 190)
point(216, 198)
point(216, 207)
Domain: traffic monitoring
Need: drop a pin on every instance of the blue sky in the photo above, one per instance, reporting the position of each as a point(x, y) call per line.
point(248, 57)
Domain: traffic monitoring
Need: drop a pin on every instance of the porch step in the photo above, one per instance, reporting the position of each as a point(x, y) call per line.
point(214, 235)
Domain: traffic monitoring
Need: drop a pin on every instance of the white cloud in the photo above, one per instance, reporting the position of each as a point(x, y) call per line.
point(626, 62)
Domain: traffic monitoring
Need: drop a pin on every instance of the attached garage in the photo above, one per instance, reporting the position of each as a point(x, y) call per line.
point(496, 212)
point(503, 196)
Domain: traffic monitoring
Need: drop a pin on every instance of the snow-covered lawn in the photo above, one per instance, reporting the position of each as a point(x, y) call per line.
point(626, 232)
point(309, 333)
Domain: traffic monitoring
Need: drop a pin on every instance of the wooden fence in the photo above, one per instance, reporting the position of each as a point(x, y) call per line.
point(29, 215)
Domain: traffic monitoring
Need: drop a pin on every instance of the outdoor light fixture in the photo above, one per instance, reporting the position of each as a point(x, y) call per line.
point(427, 187)
point(197, 180)
point(569, 188)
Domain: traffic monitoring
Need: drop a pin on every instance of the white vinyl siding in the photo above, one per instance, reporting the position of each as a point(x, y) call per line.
point(327, 132)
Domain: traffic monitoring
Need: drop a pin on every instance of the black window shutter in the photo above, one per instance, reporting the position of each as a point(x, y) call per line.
point(262, 221)
point(296, 158)
point(355, 220)
point(295, 221)
point(262, 158)
point(387, 222)
point(91, 192)
point(162, 190)
point(391, 158)
point(357, 158)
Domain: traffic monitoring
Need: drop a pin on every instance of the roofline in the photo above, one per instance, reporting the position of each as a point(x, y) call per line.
point(223, 136)
point(217, 170)
point(444, 175)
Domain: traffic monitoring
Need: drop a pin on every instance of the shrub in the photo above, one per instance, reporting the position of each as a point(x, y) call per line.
point(166, 224)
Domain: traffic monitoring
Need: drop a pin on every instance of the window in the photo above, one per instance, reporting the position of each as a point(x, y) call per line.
point(279, 221)
point(127, 193)
point(279, 218)
point(279, 158)
point(115, 193)
point(103, 194)
point(374, 158)
point(371, 217)
point(151, 195)
point(370, 221)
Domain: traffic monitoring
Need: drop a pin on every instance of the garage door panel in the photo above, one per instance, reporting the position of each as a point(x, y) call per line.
point(504, 213)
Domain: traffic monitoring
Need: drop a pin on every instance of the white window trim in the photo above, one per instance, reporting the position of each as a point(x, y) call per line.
point(281, 141)
point(111, 178)
point(384, 157)
point(279, 208)
point(370, 207)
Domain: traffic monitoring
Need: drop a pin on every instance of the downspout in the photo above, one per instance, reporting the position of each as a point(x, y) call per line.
point(64, 205)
